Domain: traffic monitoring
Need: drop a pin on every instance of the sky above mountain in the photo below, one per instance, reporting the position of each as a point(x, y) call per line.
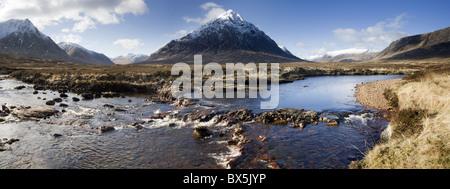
point(308, 28)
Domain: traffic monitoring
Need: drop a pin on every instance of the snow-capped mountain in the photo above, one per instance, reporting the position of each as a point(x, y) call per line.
point(227, 39)
point(129, 59)
point(21, 37)
point(347, 55)
point(84, 55)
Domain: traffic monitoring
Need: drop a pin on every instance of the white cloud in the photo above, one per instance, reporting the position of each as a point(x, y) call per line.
point(178, 33)
point(397, 22)
point(129, 43)
point(85, 13)
point(374, 37)
point(71, 38)
point(301, 45)
point(214, 10)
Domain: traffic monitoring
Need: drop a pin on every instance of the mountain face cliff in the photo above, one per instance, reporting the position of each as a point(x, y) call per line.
point(227, 39)
point(429, 45)
point(83, 55)
point(21, 37)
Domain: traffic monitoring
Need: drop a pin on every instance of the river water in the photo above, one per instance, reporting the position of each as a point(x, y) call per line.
point(169, 143)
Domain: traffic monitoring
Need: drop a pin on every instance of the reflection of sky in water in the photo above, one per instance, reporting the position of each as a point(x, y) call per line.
point(334, 93)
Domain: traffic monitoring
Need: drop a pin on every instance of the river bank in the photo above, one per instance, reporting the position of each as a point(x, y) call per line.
point(418, 135)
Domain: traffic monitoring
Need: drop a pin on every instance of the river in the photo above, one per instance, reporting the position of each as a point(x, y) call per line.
point(169, 143)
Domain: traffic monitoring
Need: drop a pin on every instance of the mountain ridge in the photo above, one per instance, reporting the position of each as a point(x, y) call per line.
point(422, 46)
point(84, 55)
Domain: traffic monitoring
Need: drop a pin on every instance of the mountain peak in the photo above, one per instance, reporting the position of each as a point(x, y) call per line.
point(231, 15)
point(228, 38)
point(18, 26)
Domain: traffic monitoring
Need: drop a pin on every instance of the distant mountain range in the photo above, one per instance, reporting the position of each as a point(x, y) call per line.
point(227, 39)
point(430, 45)
point(343, 56)
point(129, 59)
point(83, 55)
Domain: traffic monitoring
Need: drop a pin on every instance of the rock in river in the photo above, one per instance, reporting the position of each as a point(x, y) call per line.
point(35, 112)
point(105, 129)
point(50, 102)
point(87, 96)
point(201, 132)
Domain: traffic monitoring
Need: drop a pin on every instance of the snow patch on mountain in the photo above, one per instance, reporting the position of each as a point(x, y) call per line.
point(15, 26)
point(229, 20)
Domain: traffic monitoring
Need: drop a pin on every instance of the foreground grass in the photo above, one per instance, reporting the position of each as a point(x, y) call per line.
point(419, 132)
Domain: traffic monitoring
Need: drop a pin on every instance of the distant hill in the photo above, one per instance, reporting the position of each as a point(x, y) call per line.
point(227, 39)
point(347, 57)
point(129, 59)
point(21, 37)
point(83, 55)
point(429, 45)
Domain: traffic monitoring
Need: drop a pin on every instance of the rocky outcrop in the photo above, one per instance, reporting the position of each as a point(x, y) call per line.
point(298, 118)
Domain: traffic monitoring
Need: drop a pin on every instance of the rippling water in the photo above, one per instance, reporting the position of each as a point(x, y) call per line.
point(168, 143)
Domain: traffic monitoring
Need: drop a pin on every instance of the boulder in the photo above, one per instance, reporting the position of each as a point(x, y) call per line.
point(105, 129)
point(108, 106)
point(75, 99)
point(333, 122)
point(39, 87)
point(87, 96)
point(63, 95)
point(20, 87)
point(58, 100)
point(201, 132)
point(63, 105)
point(50, 103)
point(35, 112)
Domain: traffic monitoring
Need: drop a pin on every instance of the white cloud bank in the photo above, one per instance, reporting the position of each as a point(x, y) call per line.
point(374, 37)
point(86, 13)
point(129, 43)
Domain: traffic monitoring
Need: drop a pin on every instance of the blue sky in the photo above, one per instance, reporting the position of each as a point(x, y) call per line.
point(306, 27)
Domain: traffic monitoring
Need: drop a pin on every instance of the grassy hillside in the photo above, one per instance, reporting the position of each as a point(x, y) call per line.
point(419, 132)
